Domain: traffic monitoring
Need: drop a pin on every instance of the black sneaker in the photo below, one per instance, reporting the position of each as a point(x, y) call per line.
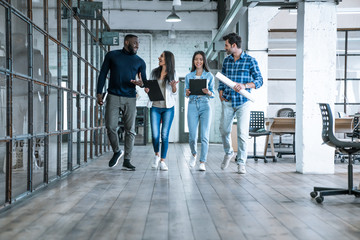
point(115, 159)
point(127, 165)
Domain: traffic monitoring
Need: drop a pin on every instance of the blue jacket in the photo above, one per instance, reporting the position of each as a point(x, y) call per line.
point(204, 75)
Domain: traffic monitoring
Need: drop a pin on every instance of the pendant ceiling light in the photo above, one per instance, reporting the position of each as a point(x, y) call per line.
point(176, 2)
point(173, 17)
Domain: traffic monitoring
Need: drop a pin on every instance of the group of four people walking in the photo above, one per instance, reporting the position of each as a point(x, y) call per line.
point(125, 66)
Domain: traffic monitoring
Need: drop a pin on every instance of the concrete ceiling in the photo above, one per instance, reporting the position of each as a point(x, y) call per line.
point(144, 15)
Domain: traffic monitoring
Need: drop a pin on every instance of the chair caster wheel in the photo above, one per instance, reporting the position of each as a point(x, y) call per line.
point(357, 195)
point(265, 160)
point(279, 155)
point(319, 199)
point(274, 159)
point(313, 194)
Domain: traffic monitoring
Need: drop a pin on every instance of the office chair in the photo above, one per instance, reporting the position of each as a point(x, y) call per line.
point(284, 112)
point(349, 148)
point(257, 129)
point(356, 129)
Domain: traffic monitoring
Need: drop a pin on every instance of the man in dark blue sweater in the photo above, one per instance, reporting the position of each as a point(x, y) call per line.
point(124, 66)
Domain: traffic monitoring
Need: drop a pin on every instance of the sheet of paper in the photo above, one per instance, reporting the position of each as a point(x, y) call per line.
point(104, 97)
point(232, 84)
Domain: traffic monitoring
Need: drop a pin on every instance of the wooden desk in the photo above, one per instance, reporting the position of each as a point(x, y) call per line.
point(344, 125)
point(286, 125)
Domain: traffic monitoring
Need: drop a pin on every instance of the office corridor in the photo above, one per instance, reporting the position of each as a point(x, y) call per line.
point(271, 201)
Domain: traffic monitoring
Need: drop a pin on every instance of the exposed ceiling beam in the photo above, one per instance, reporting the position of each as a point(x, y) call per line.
point(226, 27)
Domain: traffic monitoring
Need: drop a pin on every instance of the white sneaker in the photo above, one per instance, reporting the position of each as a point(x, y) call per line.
point(241, 168)
point(202, 167)
point(155, 162)
point(163, 166)
point(226, 161)
point(192, 161)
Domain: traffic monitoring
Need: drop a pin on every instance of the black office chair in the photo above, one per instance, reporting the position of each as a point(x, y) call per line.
point(257, 129)
point(349, 148)
point(284, 112)
point(356, 129)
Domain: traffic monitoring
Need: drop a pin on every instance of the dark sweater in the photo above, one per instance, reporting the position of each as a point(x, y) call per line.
point(123, 67)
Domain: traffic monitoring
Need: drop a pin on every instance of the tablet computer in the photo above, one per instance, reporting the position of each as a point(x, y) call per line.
point(196, 86)
point(154, 93)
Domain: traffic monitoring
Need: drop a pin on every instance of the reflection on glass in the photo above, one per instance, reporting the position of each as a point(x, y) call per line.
point(20, 45)
point(353, 67)
point(89, 47)
point(340, 91)
point(340, 44)
point(2, 106)
point(340, 61)
point(53, 63)
point(87, 112)
point(52, 14)
point(89, 149)
point(20, 107)
point(53, 109)
point(74, 36)
point(75, 74)
point(19, 167)
point(39, 160)
point(65, 25)
point(38, 53)
point(75, 149)
point(82, 117)
point(38, 108)
point(95, 55)
point(75, 111)
point(65, 110)
point(2, 38)
point(354, 42)
point(82, 138)
point(353, 88)
point(89, 80)
point(82, 77)
point(38, 12)
point(53, 156)
point(20, 5)
point(93, 92)
point(2, 171)
point(83, 31)
point(64, 68)
point(64, 152)
point(282, 67)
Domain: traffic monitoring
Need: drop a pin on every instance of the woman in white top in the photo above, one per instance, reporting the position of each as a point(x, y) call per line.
point(162, 112)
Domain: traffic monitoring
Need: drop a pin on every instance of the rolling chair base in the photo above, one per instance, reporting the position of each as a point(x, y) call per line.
point(263, 157)
point(320, 192)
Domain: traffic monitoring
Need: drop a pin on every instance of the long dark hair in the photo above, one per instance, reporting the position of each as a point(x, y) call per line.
point(205, 66)
point(170, 68)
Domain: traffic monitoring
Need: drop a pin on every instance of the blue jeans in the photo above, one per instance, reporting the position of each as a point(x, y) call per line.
point(164, 116)
point(199, 109)
point(242, 114)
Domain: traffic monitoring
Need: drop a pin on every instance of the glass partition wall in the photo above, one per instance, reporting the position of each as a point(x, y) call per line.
point(49, 121)
point(282, 71)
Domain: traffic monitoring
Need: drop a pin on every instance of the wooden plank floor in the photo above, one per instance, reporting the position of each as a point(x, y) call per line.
point(271, 201)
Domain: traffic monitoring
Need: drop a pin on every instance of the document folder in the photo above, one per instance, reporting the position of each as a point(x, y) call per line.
point(154, 93)
point(196, 86)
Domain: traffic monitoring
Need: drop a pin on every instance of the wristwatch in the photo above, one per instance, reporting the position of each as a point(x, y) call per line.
point(246, 85)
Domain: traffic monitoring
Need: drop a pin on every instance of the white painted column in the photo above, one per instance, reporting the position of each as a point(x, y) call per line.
point(315, 83)
point(258, 19)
